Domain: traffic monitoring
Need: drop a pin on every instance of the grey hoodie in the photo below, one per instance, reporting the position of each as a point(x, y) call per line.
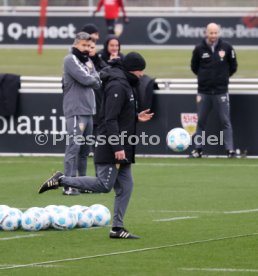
point(79, 80)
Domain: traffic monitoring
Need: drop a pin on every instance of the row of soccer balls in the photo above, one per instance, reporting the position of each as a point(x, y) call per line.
point(56, 216)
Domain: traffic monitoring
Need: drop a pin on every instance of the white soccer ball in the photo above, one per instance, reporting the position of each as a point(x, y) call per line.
point(178, 139)
point(3, 207)
point(101, 215)
point(51, 208)
point(84, 215)
point(10, 219)
point(46, 218)
point(63, 219)
point(77, 209)
point(3, 213)
point(86, 219)
point(32, 219)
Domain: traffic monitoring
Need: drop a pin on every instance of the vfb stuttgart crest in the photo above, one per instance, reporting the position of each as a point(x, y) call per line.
point(189, 122)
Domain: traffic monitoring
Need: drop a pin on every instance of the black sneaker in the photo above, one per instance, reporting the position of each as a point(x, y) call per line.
point(231, 154)
point(71, 191)
point(197, 153)
point(122, 234)
point(51, 183)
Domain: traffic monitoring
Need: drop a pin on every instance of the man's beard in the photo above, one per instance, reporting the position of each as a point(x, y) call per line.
point(82, 56)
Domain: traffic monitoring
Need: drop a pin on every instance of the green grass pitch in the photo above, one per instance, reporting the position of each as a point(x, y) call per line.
point(206, 241)
point(160, 63)
point(206, 194)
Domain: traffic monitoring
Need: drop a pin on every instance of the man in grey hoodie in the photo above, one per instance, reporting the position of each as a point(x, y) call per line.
point(79, 80)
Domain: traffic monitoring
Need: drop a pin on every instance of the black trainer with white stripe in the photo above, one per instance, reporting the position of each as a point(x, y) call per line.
point(122, 234)
point(51, 183)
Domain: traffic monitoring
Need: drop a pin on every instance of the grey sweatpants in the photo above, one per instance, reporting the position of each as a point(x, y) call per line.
point(108, 177)
point(221, 104)
point(76, 151)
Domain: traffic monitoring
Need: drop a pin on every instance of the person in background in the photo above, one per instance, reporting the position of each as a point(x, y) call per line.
point(111, 50)
point(111, 13)
point(99, 64)
point(113, 157)
point(91, 29)
point(214, 61)
point(79, 80)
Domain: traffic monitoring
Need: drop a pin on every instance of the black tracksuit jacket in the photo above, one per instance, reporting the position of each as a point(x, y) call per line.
point(213, 69)
point(118, 114)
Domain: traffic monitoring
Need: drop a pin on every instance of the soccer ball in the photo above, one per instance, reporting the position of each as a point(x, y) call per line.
point(51, 209)
point(10, 219)
point(32, 220)
point(46, 218)
point(63, 218)
point(84, 215)
point(178, 139)
point(3, 213)
point(86, 219)
point(101, 215)
point(3, 207)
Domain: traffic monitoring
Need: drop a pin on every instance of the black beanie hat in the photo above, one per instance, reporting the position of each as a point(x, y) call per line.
point(90, 28)
point(134, 62)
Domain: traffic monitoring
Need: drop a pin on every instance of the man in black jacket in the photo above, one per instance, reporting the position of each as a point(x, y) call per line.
point(214, 61)
point(115, 150)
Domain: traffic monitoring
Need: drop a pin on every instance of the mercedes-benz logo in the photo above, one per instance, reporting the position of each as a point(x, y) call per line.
point(159, 30)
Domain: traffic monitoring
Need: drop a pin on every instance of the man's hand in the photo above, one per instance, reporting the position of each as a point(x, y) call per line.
point(145, 116)
point(120, 155)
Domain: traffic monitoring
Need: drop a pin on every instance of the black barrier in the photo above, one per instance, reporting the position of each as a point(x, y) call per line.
point(21, 30)
point(40, 121)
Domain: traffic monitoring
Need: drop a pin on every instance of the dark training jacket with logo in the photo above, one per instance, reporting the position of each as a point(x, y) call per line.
point(213, 69)
point(118, 114)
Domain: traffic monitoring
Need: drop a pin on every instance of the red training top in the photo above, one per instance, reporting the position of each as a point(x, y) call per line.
point(111, 8)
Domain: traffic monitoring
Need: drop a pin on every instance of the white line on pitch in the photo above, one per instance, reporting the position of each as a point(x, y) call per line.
point(176, 218)
point(20, 237)
point(207, 212)
point(241, 211)
point(8, 265)
point(130, 251)
point(186, 211)
point(219, 269)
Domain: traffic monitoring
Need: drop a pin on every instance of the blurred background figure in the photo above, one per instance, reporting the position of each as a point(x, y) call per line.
point(111, 14)
point(99, 64)
point(91, 29)
point(111, 50)
point(213, 62)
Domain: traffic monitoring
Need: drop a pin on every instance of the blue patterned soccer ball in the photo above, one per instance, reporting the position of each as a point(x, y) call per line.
point(3, 211)
point(84, 215)
point(86, 218)
point(3, 207)
point(45, 216)
point(32, 220)
point(63, 218)
point(101, 215)
point(10, 219)
point(178, 139)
